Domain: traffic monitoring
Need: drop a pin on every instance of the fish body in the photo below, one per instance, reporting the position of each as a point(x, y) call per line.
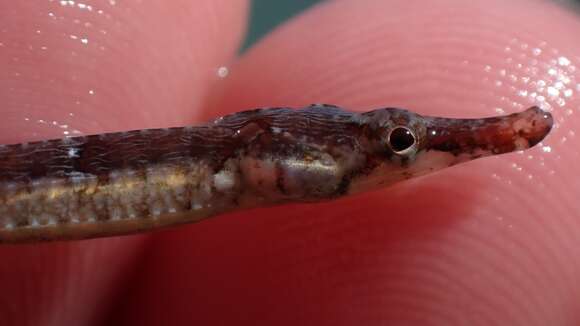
point(128, 182)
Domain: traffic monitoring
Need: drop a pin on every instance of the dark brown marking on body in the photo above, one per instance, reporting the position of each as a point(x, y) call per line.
point(343, 186)
point(280, 178)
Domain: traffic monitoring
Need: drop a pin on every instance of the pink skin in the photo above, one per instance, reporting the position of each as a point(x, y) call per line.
point(492, 242)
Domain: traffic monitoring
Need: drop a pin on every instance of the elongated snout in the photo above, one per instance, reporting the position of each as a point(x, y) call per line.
point(473, 138)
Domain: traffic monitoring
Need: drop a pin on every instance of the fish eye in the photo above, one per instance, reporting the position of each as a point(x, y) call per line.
point(401, 139)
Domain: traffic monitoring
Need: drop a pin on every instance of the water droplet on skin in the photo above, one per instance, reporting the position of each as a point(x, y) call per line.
point(563, 61)
point(223, 72)
point(553, 91)
point(561, 102)
point(564, 78)
point(547, 149)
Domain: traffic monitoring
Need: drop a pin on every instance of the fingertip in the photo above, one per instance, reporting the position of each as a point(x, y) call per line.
point(347, 262)
point(437, 59)
point(70, 68)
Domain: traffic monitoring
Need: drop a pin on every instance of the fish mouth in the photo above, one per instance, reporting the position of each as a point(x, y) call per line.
point(473, 138)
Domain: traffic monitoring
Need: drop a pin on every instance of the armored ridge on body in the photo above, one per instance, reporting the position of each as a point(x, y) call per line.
point(126, 182)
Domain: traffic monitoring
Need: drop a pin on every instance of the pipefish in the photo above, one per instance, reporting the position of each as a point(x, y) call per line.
point(128, 182)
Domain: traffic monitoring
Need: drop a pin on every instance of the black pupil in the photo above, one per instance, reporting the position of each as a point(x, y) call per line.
point(401, 139)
